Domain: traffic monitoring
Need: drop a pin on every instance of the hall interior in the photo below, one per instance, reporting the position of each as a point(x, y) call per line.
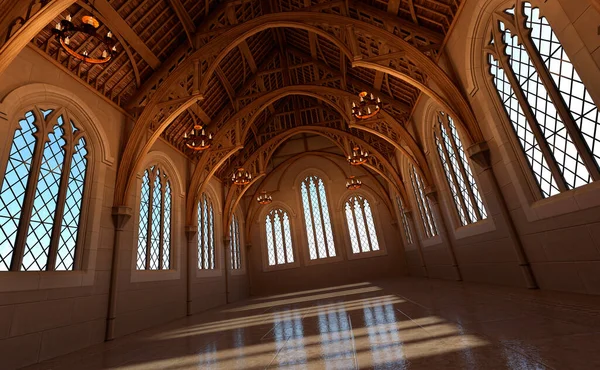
point(311, 184)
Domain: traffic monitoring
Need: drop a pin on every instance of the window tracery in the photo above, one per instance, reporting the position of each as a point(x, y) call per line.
point(42, 193)
point(279, 238)
point(552, 113)
point(404, 218)
point(363, 236)
point(316, 215)
point(154, 228)
point(206, 234)
point(465, 194)
point(429, 226)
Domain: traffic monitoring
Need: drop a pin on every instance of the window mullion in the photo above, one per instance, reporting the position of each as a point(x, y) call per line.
point(201, 234)
point(320, 202)
point(366, 224)
point(211, 236)
point(450, 169)
point(312, 217)
point(283, 238)
point(560, 105)
point(275, 254)
point(41, 139)
point(60, 206)
point(355, 223)
point(527, 111)
point(421, 206)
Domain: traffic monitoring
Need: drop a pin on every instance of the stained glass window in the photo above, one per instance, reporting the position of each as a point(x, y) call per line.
point(206, 234)
point(552, 114)
point(279, 238)
point(363, 237)
point(154, 229)
point(42, 194)
point(316, 216)
point(463, 187)
point(429, 226)
point(234, 237)
point(404, 218)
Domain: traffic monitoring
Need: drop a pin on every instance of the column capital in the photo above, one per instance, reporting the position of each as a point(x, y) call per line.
point(121, 215)
point(480, 154)
point(191, 231)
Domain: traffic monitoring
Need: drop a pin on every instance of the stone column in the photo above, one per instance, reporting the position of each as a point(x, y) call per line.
point(191, 233)
point(431, 194)
point(480, 154)
point(226, 259)
point(416, 242)
point(121, 216)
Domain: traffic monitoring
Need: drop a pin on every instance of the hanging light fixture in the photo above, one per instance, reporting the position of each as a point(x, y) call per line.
point(264, 198)
point(358, 156)
point(241, 177)
point(65, 30)
point(197, 139)
point(367, 107)
point(353, 183)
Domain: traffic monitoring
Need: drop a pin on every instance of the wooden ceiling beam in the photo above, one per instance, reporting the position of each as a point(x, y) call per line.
point(118, 25)
point(228, 88)
point(185, 19)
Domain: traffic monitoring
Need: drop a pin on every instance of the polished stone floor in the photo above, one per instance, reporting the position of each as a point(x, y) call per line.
point(391, 324)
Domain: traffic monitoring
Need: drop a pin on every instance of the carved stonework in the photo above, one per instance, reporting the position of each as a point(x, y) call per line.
point(121, 215)
point(480, 154)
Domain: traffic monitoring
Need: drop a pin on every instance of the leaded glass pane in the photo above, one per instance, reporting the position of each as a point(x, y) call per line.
point(206, 234)
point(143, 222)
point(567, 80)
point(279, 238)
point(65, 258)
point(423, 203)
point(14, 186)
point(370, 225)
point(156, 223)
point(166, 241)
point(351, 221)
point(37, 244)
point(316, 214)
point(234, 237)
point(537, 162)
point(549, 121)
point(404, 220)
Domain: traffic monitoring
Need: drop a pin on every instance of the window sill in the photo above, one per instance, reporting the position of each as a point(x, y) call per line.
point(238, 272)
point(287, 266)
point(209, 273)
point(362, 255)
point(142, 276)
point(320, 261)
point(478, 228)
point(434, 240)
point(579, 199)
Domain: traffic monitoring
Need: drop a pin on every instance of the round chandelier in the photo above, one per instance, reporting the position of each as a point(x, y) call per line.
point(197, 139)
point(65, 30)
point(241, 177)
point(358, 157)
point(353, 183)
point(264, 198)
point(367, 107)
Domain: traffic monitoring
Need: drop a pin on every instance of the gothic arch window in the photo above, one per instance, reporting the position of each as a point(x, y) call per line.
point(405, 224)
point(278, 231)
point(465, 194)
point(316, 217)
point(234, 237)
point(42, 194)
point(555, 120)
point(154, 229)
point(429, 226)
point(361, 227)
point(206, 234)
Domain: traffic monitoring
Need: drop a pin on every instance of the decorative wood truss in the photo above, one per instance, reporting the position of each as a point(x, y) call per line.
point(255, 71)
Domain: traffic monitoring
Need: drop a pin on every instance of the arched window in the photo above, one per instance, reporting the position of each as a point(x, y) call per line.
point(423, 203)
point(42, 194)
point(234, 237)
point(361, 227)
point(154, 230)
point(206, 234)
point(405, 224)
point(316, 216)
point(552, 113)
point(465, 194)
point(279, 238)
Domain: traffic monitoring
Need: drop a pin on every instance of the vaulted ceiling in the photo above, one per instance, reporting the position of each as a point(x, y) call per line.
point(155, 35)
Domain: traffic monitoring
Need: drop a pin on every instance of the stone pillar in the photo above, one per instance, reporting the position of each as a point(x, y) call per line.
point(431, 194)
point(226, 259)
point(121, 216)
point(416, 242)
point(191, 233)
point(480, 154)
